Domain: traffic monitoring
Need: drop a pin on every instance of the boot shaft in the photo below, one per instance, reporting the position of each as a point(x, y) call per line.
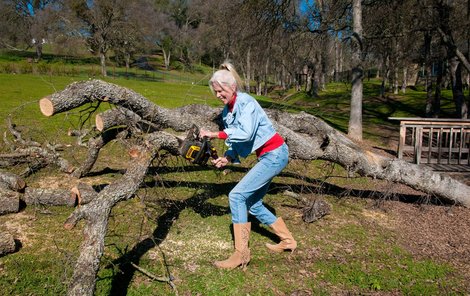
point(241, 233)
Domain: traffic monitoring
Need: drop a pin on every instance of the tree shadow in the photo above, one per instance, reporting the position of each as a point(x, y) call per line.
point(200, 205)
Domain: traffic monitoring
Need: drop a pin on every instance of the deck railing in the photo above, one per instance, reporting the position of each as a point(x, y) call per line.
point(434, 141)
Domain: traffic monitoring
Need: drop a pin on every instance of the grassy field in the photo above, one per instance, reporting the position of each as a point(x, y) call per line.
point(179, 222)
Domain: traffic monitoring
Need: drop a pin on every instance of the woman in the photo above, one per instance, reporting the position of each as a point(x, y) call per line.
point(247, 129)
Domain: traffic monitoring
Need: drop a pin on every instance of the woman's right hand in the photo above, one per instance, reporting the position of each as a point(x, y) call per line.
point(203, 133)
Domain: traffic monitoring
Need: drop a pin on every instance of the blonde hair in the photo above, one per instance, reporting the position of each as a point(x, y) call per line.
point(226, 77)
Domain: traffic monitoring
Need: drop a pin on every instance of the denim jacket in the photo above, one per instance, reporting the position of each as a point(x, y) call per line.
point(247, 127)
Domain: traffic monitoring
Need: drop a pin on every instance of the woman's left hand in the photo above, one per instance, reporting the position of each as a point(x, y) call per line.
point(220, 162)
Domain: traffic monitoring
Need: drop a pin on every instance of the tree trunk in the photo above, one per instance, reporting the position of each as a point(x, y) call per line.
point(9, 201)
point(128, 63)
point(103, 64)
point(428, 64)
point(316, 76)
point(79, 93)
point(395, 81)
point(38, 46)
point(166, 59)
point(457, 88)
point(248, 70)
point(436, 105)
point(385, 70)
point(116, 117)
point(355, 118)
point(405, 80)
point(48, 197)
point(337, 58)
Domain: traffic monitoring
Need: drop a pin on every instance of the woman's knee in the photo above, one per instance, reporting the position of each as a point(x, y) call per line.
point(236, 198)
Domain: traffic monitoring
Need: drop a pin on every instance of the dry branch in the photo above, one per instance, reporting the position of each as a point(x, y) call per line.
point(48, 197)
point(32, 153)
point(96, 213)
point(94, 146)
point(9, 201)
point(308, 138)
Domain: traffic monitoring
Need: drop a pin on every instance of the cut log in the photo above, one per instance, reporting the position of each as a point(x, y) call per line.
point(8, 160)
point(115, 117)
point(7, 243)
point(9, 201)
point(83, 193)
point(11, 181)
point(48, 197)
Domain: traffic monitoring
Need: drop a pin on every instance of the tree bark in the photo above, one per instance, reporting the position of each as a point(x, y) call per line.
point(48, 197)
point(103, 63)
point(9, 201)
point(115, 117)
point(7, 243)
point(428, 81)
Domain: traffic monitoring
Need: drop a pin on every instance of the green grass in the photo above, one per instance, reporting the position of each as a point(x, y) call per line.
point(179, 222)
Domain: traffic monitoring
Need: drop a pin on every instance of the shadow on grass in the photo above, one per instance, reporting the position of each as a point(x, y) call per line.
point(199, 204)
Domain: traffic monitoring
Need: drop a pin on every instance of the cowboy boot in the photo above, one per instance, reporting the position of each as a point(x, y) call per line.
point(287, 240)
point(241, 256)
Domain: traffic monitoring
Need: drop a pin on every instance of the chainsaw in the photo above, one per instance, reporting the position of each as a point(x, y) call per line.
point(195, 149)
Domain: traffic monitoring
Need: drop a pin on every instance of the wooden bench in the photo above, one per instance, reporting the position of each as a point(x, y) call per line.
point(434, 140)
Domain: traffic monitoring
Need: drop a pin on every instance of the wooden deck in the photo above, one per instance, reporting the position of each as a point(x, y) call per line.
point(443, 144)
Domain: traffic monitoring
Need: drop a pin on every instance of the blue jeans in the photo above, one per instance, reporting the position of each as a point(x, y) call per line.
point(248, 194)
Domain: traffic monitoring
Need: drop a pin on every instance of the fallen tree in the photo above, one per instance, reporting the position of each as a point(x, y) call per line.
point(307, 136)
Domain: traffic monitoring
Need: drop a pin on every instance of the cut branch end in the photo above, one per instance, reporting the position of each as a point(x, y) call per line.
point(46, 106)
